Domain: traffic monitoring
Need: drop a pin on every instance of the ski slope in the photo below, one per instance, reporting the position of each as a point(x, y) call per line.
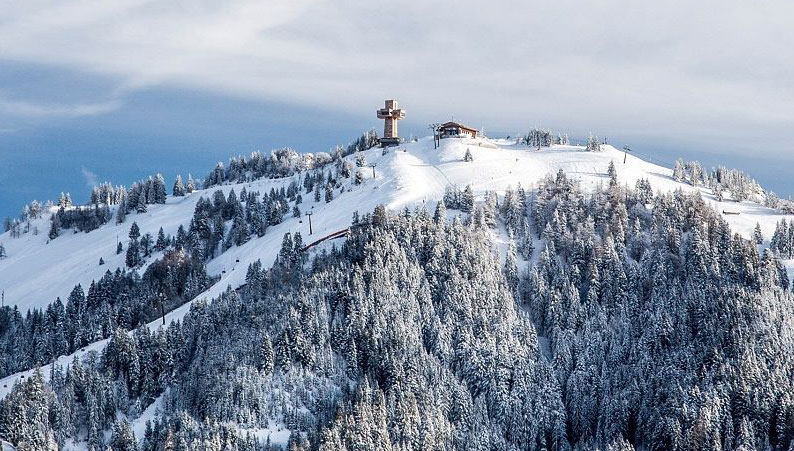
point(38, 270)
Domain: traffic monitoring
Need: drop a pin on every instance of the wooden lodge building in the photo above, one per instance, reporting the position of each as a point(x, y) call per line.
point(456, 130)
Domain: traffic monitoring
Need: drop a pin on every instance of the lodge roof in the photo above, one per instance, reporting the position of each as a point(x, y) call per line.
point(457, 125)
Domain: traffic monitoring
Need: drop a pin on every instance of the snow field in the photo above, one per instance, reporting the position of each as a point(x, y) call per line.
point(37, 271)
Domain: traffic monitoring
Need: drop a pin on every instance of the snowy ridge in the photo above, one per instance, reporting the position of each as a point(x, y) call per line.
point(37, 271)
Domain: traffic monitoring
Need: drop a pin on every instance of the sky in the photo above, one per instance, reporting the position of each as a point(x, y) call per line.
point(94, 90)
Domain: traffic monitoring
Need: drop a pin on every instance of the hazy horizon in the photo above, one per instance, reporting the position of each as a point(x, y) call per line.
point(39, 164)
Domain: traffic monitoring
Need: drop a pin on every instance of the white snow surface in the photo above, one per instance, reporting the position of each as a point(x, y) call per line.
point(278, 434)
point(138, 425)
point(38, 270)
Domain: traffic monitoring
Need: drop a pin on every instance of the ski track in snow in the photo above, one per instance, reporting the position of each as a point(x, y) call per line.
point(38, 270)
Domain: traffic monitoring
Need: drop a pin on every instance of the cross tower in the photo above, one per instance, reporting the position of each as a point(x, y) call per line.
point(390, 114)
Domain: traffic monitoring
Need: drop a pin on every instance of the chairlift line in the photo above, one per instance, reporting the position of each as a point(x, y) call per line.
point(626, 150)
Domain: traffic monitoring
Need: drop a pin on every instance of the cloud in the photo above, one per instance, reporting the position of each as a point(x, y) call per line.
point(91, 179)
point(714, 68)
point(32, 109)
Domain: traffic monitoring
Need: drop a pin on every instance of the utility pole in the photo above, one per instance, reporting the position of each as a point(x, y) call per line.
point(626, 150)
point(372, 165)
point(309, 214)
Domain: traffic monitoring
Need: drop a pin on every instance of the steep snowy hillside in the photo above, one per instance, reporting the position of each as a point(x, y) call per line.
point(38, 270)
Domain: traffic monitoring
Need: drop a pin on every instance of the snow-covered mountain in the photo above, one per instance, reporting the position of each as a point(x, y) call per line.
point(37, 269)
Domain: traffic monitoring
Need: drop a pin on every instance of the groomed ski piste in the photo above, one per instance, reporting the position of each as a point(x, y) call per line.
point(37, 269)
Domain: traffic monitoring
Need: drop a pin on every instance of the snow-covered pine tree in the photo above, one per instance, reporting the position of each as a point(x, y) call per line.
point(718, 193)
point(440, 215)
point(489, 207)
point(758, 236)
point(150, 190)
point(135, 231)
point(122, 438)
point(232, 206)
point(133, 254)
point(525, 245)
point(285, 254)
point(162, 242)
point(297, 246)
point(240, 231)
point(65, 200)
point(678, 170)
point(644, 191)
point(361, 160)
point(317, 195)
point(266, 351)
point(54, 227)
point(612, 173)
point(694, 173)
point(467, 200)
point(140, 207)
point(191, 184)
point(511, 266)
point(121, 212)
point(451, 197)
point(146, 244)
point(133, 257)
point(25, 416)
point(593, 144)
point(179, 188)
